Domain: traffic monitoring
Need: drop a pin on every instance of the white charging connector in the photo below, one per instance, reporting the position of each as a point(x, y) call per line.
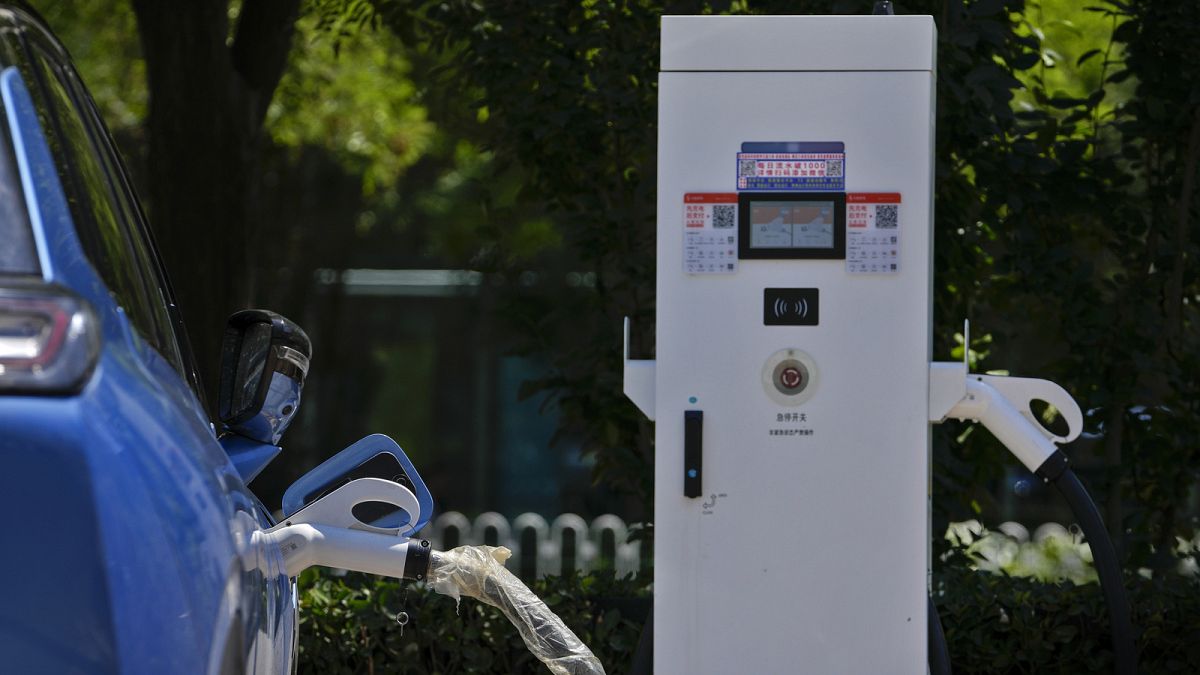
point(327, 534)
point(1003, 406)
point(305, 545)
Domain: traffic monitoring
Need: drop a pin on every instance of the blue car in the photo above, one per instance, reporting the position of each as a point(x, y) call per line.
point(128, 522)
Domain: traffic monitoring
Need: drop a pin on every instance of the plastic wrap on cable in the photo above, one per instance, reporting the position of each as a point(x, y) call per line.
point(478, 572)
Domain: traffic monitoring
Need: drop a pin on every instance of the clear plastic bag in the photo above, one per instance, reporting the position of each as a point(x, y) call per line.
point(478, 572)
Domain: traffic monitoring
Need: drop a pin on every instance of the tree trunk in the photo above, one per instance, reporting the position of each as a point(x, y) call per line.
point(208, 99)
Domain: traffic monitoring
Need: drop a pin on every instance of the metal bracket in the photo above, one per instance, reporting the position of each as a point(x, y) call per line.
point(639, 380)
point(947, 386)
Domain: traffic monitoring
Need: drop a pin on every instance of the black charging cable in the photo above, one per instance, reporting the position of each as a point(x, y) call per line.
point(1055, 470)
point(1104, 557)
point(939, 653)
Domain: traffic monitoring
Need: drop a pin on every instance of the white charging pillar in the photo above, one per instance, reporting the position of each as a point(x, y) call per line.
point(790, 390)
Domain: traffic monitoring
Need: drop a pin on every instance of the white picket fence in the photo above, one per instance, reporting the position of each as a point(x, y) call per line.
point(586, 546)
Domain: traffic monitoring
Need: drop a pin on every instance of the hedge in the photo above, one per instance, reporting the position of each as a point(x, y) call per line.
point(348, 625)
point(994, 624)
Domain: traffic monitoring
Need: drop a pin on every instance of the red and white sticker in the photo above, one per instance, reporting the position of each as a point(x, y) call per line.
point(710, 232)
point(873, 232)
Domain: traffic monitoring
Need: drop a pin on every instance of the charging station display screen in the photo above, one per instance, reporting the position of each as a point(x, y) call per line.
point(792, 225)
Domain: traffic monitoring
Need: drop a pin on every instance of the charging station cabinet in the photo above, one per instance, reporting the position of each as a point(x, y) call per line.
point(790, 387)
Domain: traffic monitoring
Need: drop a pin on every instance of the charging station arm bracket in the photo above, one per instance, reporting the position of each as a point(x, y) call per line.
point(947, 386)
point(639, 380)
point(1003, 405)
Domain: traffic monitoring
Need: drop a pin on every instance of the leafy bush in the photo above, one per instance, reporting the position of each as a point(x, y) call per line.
point(1056, 552)
point(348, 625)
point(994, 623)
point(1060, 554)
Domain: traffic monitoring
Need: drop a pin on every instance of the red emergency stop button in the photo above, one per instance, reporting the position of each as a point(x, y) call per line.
point(791, 377)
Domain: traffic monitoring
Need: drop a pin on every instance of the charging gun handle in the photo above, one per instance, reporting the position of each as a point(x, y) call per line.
point(987, 405)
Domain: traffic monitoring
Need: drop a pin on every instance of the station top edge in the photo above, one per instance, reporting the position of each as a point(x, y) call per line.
point(798, 43)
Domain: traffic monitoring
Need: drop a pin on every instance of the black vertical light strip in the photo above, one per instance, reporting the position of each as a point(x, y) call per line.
point(693, 451)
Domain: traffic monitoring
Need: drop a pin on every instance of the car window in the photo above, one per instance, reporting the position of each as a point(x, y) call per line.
point(17, 254)
point(168, 319)
point(102, 219)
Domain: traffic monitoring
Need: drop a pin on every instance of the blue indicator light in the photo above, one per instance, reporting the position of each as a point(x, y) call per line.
point(691, 473)
point(692, 399)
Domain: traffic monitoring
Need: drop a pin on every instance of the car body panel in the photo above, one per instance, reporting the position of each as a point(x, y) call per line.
point(56, 616)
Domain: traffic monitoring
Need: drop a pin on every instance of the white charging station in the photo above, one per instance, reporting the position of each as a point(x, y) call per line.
point(790, 387)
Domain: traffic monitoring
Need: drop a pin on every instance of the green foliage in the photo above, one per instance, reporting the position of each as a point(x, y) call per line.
point(1091, 210)
point(1077, 53)
point(102, 38)
point(354, 97)
point(994, 624)
point(1061, 555)
point(1002, 624)
point(348, 625)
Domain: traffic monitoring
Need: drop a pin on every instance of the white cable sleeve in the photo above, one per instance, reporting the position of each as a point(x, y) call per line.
point(478, 572)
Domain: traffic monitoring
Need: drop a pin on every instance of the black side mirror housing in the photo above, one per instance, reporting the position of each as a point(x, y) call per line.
point(264, 360)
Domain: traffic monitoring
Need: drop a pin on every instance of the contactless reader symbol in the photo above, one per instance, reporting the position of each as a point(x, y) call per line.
point(783, 308)
point(790, 306)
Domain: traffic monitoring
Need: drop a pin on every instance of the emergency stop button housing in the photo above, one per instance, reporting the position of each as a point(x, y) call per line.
point(789, 376)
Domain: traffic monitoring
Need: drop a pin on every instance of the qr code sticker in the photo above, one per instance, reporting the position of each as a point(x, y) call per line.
point(833, 167)
point(723, 216)
point(886, 216)
point(747, 167)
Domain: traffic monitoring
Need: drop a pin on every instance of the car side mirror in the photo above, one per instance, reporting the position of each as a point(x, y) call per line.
point(264, 359)
point(373, 457)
